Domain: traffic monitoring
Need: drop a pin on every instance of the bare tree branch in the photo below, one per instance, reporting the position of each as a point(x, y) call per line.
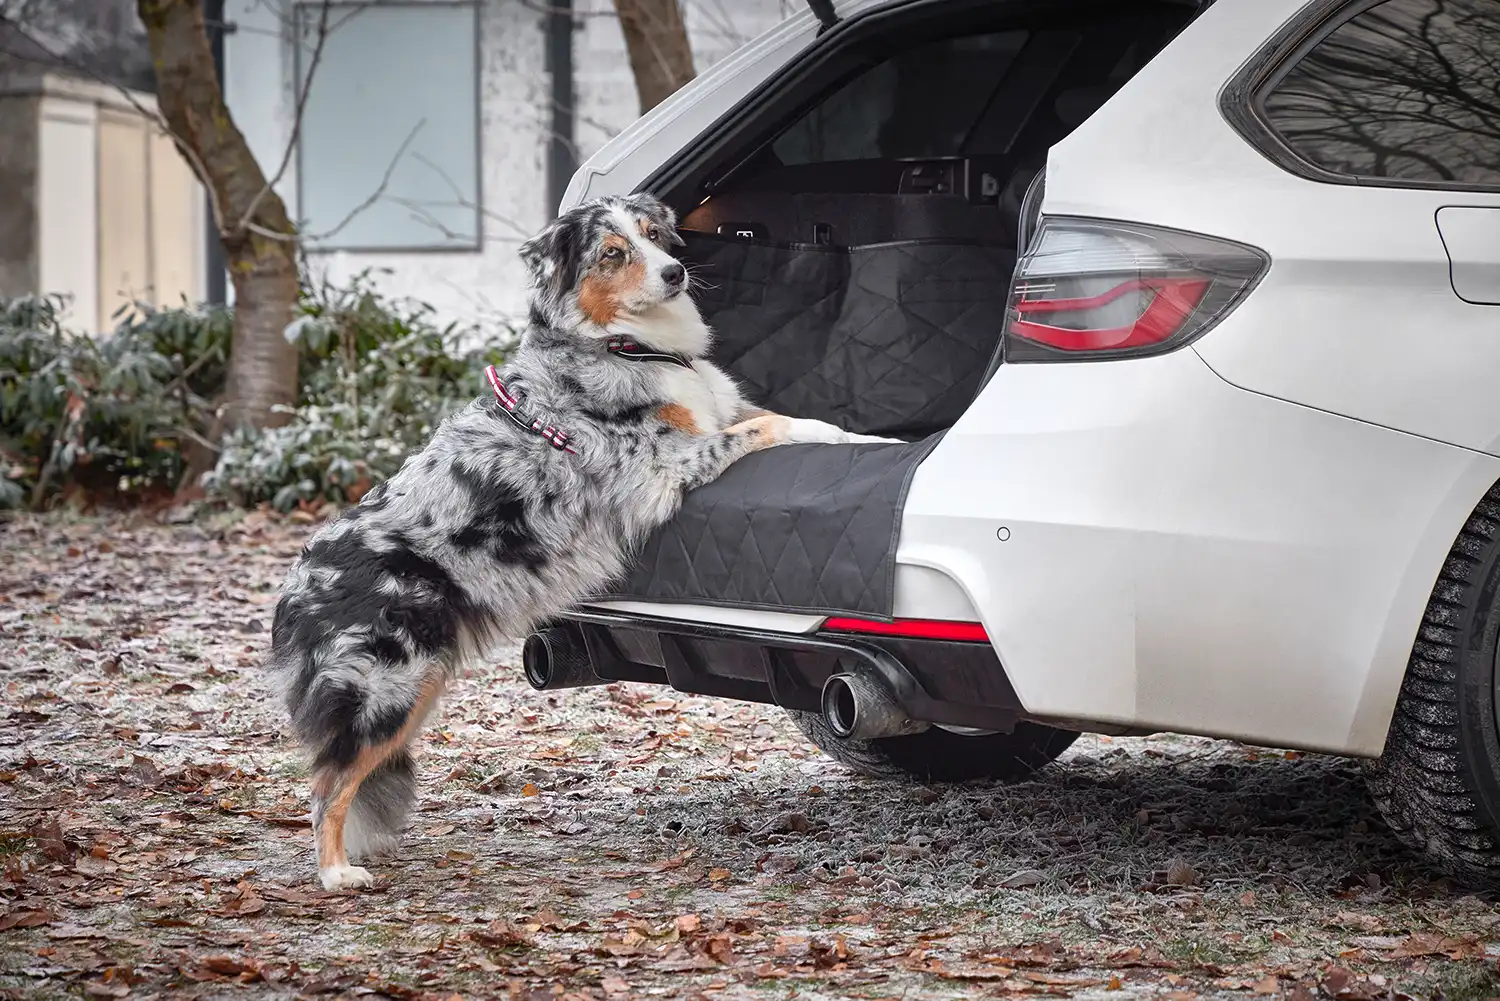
point(304, 89)
point(375, 196)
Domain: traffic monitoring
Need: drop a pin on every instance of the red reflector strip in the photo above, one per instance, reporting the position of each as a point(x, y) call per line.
point(925, 629)
point(1171, 305)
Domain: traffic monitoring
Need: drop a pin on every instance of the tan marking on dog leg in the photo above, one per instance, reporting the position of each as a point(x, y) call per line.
point(339, 787)
point(679, 417)
point(764, 431)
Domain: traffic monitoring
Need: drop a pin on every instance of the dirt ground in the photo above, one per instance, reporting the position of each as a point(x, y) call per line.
point(626, 841)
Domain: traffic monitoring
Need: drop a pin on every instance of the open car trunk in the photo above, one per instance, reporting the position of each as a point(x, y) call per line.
point(852, 236)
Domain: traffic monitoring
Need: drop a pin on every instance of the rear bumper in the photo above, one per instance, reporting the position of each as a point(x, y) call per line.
point(1149, 546)
point(939, 681)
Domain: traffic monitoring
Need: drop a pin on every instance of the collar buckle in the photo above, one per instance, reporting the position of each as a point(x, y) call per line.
point(511, 407)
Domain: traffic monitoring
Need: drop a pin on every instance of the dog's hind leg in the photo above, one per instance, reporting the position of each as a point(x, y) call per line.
point(361, 800)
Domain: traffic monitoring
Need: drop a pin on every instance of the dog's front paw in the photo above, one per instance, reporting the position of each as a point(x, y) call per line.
point(872, 439)
point(345, 877)
point(807, 430)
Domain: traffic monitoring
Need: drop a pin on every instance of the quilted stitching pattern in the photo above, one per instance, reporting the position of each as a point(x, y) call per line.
point(799, 527)
point(886, 339)
point(890, 339)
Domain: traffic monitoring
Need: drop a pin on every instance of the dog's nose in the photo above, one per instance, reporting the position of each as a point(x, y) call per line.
point(673, 274)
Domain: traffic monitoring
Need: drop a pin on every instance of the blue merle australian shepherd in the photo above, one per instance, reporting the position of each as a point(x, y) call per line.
point(528, 500)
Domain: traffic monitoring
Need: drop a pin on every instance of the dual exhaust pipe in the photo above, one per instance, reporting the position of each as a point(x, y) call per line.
point(857, 705)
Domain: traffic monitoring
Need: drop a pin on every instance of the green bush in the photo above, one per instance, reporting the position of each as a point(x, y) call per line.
point(111, 416)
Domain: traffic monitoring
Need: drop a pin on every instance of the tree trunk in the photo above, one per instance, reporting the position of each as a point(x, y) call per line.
point(259, 240)
point(660, 56)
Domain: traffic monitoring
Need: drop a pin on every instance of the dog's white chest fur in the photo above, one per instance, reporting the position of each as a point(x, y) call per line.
point(707, 393)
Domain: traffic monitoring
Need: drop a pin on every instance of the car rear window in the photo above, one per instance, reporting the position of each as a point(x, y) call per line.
point(924, 102)
point(1407, 91)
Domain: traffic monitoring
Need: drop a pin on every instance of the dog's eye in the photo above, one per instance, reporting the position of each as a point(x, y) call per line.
point(654, 234)
point(613, 253)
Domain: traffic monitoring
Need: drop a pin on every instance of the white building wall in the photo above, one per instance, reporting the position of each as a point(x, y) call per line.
point(483, 286)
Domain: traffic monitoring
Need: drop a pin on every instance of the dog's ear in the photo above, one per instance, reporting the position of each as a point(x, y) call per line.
point(552, 256)
point(662, 215)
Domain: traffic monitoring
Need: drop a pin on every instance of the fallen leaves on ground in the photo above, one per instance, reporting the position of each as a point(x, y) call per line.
point(627, 841)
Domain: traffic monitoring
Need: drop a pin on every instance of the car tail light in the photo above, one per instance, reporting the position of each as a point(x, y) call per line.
point(1096, 289)
point(922, 629)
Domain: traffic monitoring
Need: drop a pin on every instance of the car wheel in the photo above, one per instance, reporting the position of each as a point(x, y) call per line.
point(939, 755)
point(1438, 781)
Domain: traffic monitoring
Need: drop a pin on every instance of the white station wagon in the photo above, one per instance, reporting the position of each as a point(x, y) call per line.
point(1188, 316)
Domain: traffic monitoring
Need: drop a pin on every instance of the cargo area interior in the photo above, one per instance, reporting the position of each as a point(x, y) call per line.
point(855, 238)
point(852, 229)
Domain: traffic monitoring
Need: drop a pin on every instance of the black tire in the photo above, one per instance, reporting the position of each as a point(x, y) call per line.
point(1438, 782)
point(938, 755)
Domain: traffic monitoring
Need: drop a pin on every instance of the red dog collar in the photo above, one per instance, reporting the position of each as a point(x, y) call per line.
point(555, 437)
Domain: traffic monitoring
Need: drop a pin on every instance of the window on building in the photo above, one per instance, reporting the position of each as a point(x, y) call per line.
point(388, 157)
point(1405, 91)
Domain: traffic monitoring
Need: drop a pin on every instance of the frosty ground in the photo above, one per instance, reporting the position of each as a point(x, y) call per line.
point(627, 841)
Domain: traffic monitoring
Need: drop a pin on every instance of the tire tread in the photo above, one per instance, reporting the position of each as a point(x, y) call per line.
point(1423, 783)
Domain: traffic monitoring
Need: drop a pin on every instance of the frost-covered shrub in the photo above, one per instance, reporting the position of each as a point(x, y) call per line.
point(110, 414)
point(377, 377)
point(114, 415)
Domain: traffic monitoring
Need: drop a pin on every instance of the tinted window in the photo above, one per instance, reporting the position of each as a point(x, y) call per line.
point(924, 102)
point(1407, 90)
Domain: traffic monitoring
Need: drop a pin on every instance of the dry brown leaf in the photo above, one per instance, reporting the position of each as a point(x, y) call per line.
point(26, 919)
point(1180, 873)
point(48, 835)
point(1060, 979)
point(1433, 944)
point(1022, 878)
point(501, 934)
point(967, 971)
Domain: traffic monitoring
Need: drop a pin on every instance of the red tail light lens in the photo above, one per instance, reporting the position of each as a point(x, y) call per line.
point(1094, 289)
point(923, 629)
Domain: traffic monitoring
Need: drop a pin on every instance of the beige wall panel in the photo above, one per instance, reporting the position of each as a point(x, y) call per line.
point(124, 216)
point(176, 229)
point(67, 229)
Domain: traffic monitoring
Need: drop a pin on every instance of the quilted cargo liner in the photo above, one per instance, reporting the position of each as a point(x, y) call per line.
point(890, 339)
point(802, 528)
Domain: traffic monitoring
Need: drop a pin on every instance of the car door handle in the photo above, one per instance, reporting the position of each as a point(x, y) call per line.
point(1471, 235)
